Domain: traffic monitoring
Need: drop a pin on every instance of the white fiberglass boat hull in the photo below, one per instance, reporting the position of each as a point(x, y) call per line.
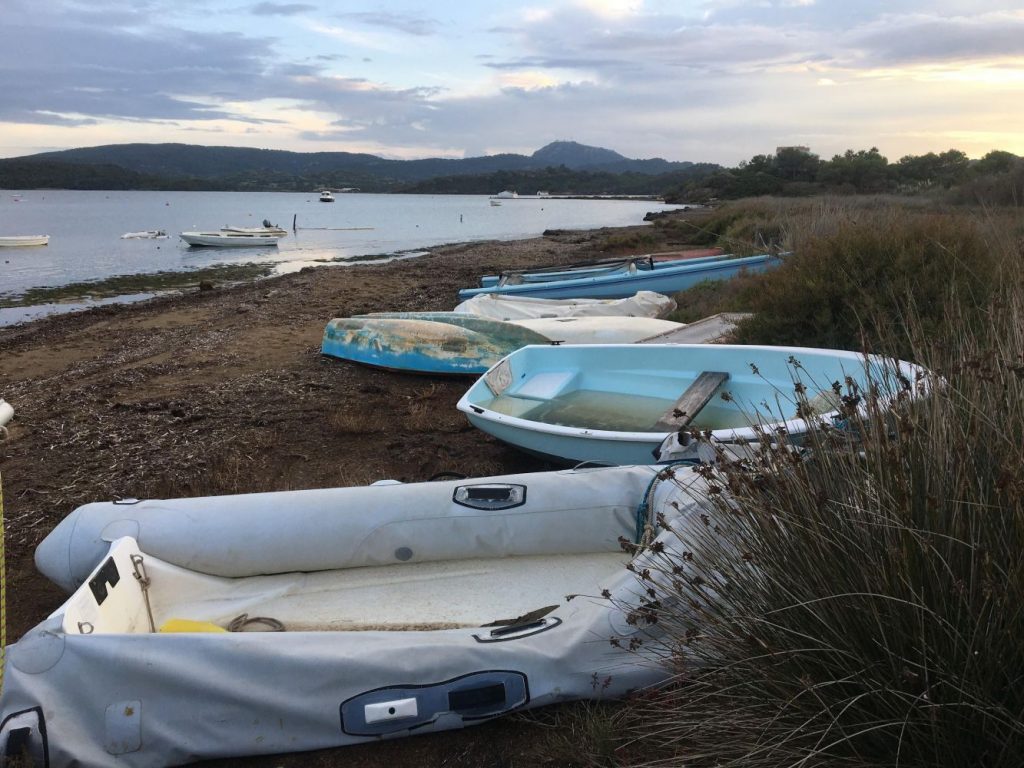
point(21, 241)
point(432, 564)
point(228, 240)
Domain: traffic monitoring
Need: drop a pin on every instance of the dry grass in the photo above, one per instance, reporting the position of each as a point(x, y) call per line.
point(860, 604)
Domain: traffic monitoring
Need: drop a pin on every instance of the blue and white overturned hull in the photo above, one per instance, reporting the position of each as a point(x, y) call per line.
point(453, 343)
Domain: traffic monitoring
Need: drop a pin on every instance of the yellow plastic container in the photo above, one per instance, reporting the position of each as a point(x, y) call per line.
point(187, 625)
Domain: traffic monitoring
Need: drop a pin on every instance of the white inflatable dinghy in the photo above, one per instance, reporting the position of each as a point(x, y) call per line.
point(406, 608)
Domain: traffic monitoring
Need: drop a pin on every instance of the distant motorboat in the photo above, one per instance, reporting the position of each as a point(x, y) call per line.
point(228, 239)
point(149, 234)
point(495, 202)
point(20, 241)
point(266, 229)
point(326, 196)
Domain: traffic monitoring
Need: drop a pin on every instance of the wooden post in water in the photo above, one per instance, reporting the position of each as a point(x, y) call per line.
point(295, 217)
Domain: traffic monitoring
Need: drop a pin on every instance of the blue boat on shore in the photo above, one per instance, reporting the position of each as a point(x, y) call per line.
point(593, 269)
point(616, 404)
point(625, 279)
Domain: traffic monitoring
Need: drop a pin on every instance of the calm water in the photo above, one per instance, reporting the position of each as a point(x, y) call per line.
point(85, 228)
point(615, 411)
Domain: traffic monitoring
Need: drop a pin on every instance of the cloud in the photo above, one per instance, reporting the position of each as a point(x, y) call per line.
point(409, 24)
point(927, 38)
point(281, 9)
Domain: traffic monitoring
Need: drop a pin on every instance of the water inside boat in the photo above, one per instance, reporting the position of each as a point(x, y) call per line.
point(614, 411)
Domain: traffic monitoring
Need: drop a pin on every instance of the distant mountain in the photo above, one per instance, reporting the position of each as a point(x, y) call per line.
point(188, 166)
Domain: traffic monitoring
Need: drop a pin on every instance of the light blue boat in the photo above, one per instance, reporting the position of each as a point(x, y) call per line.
point(641, 263)
point(616, 404)
point(666, 277)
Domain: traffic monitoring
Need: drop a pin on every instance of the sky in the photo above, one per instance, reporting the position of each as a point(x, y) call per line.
point(699, 80)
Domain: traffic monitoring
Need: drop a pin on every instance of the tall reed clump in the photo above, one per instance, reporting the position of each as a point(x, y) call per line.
point(856, 277)
point(862, 603)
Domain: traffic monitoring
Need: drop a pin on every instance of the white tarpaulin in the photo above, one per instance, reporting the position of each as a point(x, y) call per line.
point(498, 307)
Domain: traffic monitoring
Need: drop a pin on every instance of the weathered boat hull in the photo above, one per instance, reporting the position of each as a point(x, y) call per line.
point(604, 403)
point(454, 343)
point(461, 345)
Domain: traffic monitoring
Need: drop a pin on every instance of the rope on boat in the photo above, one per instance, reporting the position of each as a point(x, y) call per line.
point(138, 565)
point(239, 623)
point(3, 591)
point(645, 522)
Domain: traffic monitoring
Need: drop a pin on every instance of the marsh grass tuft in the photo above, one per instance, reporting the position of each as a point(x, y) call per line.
point(862, 603)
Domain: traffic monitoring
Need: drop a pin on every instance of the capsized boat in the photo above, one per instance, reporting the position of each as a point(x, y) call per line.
point(148, 234)
point(500, 307)
point(461, 344)
point(618, 403)
point(21, 241)
point(662, 277)
point(406, 609)
point(228, 239)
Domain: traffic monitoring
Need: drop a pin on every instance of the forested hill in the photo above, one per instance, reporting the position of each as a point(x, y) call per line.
point(185, 166)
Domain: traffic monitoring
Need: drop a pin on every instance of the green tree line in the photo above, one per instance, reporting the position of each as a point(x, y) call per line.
point(794, 171)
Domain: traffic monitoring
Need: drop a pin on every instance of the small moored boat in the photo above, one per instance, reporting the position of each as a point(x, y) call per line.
point(405, 609)
point(21, 241)
point(618, 403)
point(229, 239)
point(326, 196)
point(149, 234)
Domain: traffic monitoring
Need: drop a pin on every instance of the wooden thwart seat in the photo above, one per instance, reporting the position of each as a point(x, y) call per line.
point(696, 396)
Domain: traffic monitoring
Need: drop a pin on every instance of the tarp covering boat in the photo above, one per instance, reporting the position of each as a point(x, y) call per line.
point(406, 608)
point(499, 307)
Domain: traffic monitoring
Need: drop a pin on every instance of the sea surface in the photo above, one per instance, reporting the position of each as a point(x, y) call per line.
point(85, 228)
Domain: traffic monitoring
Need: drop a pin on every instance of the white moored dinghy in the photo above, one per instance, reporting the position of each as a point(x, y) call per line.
point(406, 609)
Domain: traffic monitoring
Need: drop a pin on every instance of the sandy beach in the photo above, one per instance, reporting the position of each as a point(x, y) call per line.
point(225, 391)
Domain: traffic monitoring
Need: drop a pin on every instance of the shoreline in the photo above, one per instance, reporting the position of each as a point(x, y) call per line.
point(225, 391)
